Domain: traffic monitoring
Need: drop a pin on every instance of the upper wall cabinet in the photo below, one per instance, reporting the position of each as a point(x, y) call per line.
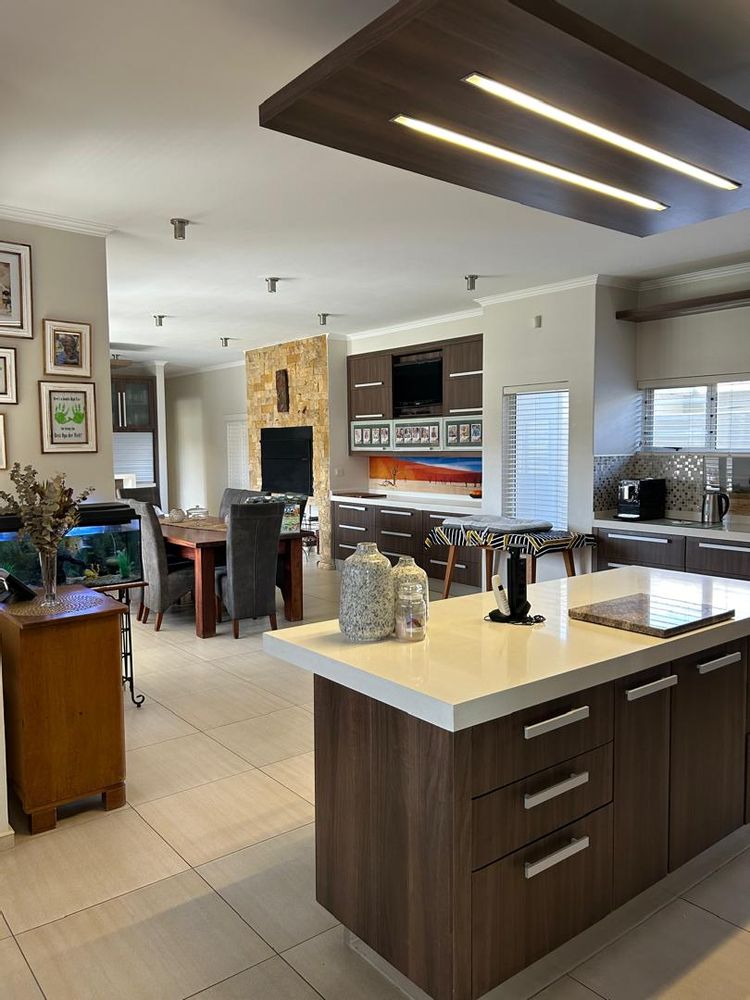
point(134, 404)
point(462, 377)
point(370, 392)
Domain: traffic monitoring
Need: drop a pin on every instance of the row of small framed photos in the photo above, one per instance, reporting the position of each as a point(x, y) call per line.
point(426, 434)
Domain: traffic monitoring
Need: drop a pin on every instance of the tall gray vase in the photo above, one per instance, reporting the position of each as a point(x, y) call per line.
point(366, 605)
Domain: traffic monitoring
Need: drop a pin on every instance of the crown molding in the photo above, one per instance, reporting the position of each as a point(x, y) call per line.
point(708, 274)
point(416, 324)
point(584, 281)
point(29, 216)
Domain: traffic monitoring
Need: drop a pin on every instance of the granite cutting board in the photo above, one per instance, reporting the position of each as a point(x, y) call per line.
point(650, 615)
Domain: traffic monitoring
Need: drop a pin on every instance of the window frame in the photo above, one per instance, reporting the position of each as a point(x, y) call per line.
point(712, 419)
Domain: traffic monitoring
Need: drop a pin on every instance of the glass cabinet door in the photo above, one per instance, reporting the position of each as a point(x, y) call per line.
point(135, 405)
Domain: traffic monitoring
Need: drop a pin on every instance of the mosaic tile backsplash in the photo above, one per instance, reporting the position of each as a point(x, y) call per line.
point(687, 476)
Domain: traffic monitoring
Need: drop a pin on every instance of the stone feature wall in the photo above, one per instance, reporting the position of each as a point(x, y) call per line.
point(307, 364)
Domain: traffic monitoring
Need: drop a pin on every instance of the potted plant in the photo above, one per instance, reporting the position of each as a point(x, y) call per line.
point(47, 510)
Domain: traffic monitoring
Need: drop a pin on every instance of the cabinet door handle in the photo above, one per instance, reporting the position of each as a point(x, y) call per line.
point(644, 690)
point(725, 548)
point(352, 547)
point(398, 513)
point(367, 416)
point(348, 506)
point(394, 555)
point(577, 844)
point(618, 566)
point(367, 385)
point(119, 409)
point(439, 517)
point(352, 527)
point(479, 371)
point(444, 562)
point(557, 722)
point(641, 538)
point(124, 410)
point(465, 409)
point(574, 781)
point(721, 661)
point(397, 534)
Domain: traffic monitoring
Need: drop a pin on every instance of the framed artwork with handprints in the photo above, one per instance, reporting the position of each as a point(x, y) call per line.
point(67, 348)
point(68, 416)
point(15, 290)
point(8, 392)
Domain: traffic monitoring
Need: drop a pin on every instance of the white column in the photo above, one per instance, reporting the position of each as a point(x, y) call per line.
point(161, 417)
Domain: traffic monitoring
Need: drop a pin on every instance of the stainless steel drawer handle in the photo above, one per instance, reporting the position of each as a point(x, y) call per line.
point(725, 548)
point(479, 371)
point(398, 513)
point(549, 725)
point(394, 555)
point(367, 385)
point(577, 844)
point(721, 661)
point(397, 534)
point(352, 547)
point(574, 781)
point(346, 506)
point(644, 690)
point(618, 566)
point(444, 562)
point(640, 538)
point(352, 527)
point(465, 409)
point(439, 517)
point(367, 416)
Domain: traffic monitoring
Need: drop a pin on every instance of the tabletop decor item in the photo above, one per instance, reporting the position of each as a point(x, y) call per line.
point(407, 571)
point(68, 412)
point(366, 605)
point(67, 348)
point(47, 510)
point(411, 613)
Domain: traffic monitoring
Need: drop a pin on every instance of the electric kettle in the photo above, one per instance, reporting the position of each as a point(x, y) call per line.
point(715, 507)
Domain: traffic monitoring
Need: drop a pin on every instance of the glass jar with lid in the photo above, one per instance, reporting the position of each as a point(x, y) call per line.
point(411, 613)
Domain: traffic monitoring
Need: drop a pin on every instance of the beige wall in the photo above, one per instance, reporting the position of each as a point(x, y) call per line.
point(197, 406)
point(348, 472)
point(69, 282)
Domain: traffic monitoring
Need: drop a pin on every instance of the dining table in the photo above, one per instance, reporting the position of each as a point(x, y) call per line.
point(204, 542)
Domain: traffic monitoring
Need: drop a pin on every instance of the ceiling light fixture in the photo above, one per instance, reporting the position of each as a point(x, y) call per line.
point(179, 226)
point(272, 283)
point(527, 162)
point(224, 341)
point(323, 318)
point(529, 103)
point(159, 319)
point(471, 282)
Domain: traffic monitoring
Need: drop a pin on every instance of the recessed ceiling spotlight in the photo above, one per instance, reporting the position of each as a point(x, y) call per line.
point(527, 162)
point(159, 319)
point(323, 318)
point(471, 282)
point(179, 226)
point(272, 283)
point(224, 341)
point(529, 103)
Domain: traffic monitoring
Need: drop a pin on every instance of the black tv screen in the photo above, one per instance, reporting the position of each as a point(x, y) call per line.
point(417, 383)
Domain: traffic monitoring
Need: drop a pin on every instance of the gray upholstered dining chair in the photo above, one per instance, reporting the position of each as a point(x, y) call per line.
point(146, 494)
point(167, 581)
point(232, 496)
point(246, 586)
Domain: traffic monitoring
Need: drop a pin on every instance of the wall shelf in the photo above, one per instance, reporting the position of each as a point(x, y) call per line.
point(687, 307)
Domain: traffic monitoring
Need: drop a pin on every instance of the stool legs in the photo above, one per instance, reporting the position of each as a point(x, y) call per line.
point(449, 570)
point(570, 565)
point(530, 568)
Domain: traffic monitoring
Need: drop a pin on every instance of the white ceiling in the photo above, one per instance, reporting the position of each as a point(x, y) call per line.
point(128, 114)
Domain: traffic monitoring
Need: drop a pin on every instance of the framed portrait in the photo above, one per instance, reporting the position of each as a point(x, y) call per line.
point(15, 290)
point(385, 435)
point(376, 435)
point(366, 432)
point(424, 434)
point(476, 433)
point(463, 433)
point(434, 434)
point(67, 348)
point(357, 435)
point(452, 433)
point(399, 435)
point(8, 392)
point(68, 416)
point(3, 448)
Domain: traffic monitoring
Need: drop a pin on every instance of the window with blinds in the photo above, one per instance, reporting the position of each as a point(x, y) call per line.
point(238, 470)
point(712, 417)
point(535, 454)
point(134, 456)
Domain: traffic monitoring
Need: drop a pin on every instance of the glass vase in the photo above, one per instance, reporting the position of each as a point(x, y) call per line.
point(48, 563)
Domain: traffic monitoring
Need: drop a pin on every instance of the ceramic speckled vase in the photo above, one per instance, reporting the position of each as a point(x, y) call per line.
point(407, 571)
point(366, 611)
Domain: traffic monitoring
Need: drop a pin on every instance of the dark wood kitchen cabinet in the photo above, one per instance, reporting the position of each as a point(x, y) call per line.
point(708, 730)
point(632, 547)
point(370, 387)
point(714, 557)
point(462, 377)
point(134, 403)
point(352, 523)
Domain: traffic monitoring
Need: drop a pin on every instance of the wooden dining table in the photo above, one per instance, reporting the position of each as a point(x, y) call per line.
point(205, 544)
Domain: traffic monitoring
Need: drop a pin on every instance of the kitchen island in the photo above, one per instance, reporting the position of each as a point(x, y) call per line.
point(485, 795)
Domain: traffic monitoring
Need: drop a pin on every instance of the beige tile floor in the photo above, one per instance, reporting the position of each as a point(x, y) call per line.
point(203, 884)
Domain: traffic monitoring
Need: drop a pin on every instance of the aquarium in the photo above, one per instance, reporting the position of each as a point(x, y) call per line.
point(104, 548)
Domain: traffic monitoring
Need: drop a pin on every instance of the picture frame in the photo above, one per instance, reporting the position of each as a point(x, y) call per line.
point(8, 380)
point(15, 290)
point(3, 445)
point(434, 434)
point(452, 433)
point(476, 433)
point(366, 435)
point(67, 348)
point(464, 433)
point(68, 417)
point(357, 436)
point(376, 435)
point(385, 436)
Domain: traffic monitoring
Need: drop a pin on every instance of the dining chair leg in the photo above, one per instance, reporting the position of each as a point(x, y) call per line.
point(236, 628)
point(146, 613)
point(274, 623)
point(570, 565)
point(159, 616)
point(141, 608)
point(218, 609)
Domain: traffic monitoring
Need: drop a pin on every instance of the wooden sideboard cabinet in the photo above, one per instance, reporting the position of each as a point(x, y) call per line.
point(64, 723)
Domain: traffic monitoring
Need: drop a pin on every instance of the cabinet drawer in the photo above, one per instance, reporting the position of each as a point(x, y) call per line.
point(521, 744)
point(372, 403)
point(395, 546)
point(466, 571)
point(533, 900)
point(636, 548)
point(506, 819)
point(399, 519)
point(352, 515)
point(704, 555)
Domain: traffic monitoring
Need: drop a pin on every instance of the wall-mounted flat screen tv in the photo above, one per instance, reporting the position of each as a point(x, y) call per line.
point(417, 384)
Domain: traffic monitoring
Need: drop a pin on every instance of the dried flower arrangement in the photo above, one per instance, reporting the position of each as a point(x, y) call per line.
point(46, 508)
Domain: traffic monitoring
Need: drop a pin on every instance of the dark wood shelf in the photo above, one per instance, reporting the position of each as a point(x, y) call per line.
point(687, 307)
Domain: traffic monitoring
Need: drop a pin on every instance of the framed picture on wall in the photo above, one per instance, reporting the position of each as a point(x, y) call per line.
point(15, 290)
point(67, 348)
point(68, 416)
point(8, 392)
point(3, 449)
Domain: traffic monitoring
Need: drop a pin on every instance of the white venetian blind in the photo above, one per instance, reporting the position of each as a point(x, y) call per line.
point(535, 454)
point(238, 470)
point(134, 455)
point(677, 418)
point(733, 416)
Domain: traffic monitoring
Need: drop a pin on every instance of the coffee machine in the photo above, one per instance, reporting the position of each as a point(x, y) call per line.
point(641, 499)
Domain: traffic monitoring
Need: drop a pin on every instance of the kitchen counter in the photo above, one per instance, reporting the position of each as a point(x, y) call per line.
point(733, 528)
point(469, 671)
point(418, 501)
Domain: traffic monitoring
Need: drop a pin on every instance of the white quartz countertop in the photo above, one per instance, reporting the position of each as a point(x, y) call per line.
point(469, 671)
point(418, 501)
point(732, 529)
